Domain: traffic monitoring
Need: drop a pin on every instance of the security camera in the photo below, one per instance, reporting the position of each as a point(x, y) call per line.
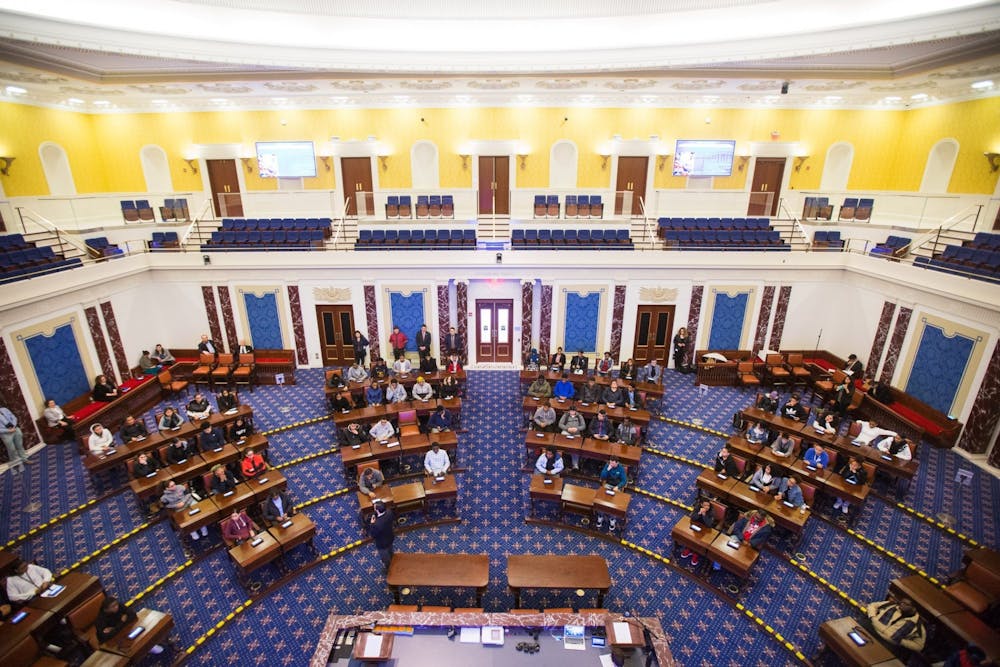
point(499, 258)
point(784, 88)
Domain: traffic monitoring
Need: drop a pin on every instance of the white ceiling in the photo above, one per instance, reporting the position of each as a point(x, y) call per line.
point(117, 55)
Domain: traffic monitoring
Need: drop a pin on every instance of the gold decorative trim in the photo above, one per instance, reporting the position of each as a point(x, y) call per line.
point(658, 294)
point(332, 294)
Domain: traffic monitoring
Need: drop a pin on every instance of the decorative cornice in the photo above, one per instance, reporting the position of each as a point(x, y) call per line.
point(332, 294)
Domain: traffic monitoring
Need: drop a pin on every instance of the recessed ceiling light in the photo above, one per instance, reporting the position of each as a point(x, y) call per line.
point(75, 100)
point(919, 96)
point(101, 103)
point(279, 100)
point(978, 85)
point(16, 90)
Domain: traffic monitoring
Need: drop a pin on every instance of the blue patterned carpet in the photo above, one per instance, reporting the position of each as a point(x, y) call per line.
point(282, 627)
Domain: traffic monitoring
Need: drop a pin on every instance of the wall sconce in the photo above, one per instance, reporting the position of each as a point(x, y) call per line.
point(465, 161)
point(383, 161)
point(743, 162)
point(523, 158)
point(325, 159)
point(5, 163)
point(661, 160)
point(799, 161)
point(992, 158)
point(248, 163)
point(192, 164)
point(604, 160)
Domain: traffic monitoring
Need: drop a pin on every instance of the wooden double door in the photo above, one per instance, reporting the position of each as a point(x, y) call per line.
point(765, 192)
point(494, 332)
point(494, 185)
point(224, 182)
point(654, 327)
point(336, 334)
point(630, 188)
point(358, 186)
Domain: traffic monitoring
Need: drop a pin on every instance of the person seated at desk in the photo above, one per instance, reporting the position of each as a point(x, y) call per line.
point(790, 492)
point(112, 618)
point(240, 430)
point(627, 371)
point(564, 389)
point(27, 581)
point(651, 372)
point(380, 371)
point(454, 365)
point(765, 480)
point(449, 388)
point(782, 446)
point(897, 446)
point(614, 478)
point(395, 393)
point(540, 388)
point(816, 457)
point(826, 423)
point(629, 433)
point(176, 497)
point(558, 360)
point(383, 430)
point(754, 527)
point(579, 363)
point(793, 409)
point(757, 434)
point(725, 464)
point(853, 473)
point(422, 390)
point(869, 431)
point(145, 466)
point(533, 360)
point(104, 389)
point(633, 398)
point(702, 515)
point(223, 480)
point(549, 463)
point(843, 395)
point(436, 461)
point(357, 373)
point(768, 402)
point(440, 420)
point(162, 356)
point(354, 435)
point(239, 527)
point(133, 430)
point(336, 381)
point(198, 407)
point(147, 365)
point(428, 365)
point(55, 418)
point(210, 438)
point(590, 392)
point(600, 428)
point(179, 451)
point(278, 507)
point(227, 401)
point(572, 423)
point(614, 395)
point(402, 366)
point(100, 441)
point(252, 464)
point(544, 417)
point(899, 624)
point(208, 346)
point(605, 365)
point(170, 420)
point(369, 480)
point(374, 395)
point(341, 402)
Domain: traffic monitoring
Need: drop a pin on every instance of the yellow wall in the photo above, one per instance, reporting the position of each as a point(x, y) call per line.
point(890, 146)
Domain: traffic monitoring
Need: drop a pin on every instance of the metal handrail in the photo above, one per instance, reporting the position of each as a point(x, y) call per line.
point(46, 224)
point(973, 210)
point(195, 226)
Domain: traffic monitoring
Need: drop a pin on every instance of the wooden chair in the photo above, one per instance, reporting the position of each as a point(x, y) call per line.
point(748, 378)
point(976, 587)
point(741, 465)
point(775, 369)
point(719, 511)
point(431, 609)
point(824, 386)
point(808, 493)
point(169, 385)
point(408, 424)
point(469, 610)
point(27, 652)
point(81, 620)
point(225, 363)
point(203, 371)
point(246, 372)
point(800, 374)
point(404, 607)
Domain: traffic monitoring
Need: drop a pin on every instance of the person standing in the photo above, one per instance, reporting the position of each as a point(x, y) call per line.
point(380, 528)
point(452, 342)
point(13, 439)
point(423, 342)
point(360, 348)
point(680, 349)
point(397, 340)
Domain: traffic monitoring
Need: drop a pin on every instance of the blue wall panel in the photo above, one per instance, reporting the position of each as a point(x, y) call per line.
point(408, 315)
point(727, 321)
point(265, 324)
point(57, 363)
point(939, 367)
point(582, 313)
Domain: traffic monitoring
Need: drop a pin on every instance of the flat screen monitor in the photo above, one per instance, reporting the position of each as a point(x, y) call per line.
point(704, 157)
point(286, 159)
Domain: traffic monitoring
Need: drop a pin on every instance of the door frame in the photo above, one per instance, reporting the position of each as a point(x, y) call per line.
point(373, 167)
point(494, 148)
point(352, 148)
point(240, 183)
point(319, 331)
point(510, 329)
point(650, 160)
point(672, 328)
point(783, 184)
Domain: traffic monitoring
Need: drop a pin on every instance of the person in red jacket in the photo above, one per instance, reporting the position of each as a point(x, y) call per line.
point(397, 340)
point(252, 464)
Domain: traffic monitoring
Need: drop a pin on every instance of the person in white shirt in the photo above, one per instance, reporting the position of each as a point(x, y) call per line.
point(896, 446)
point(357, 373)
point(383, 430)
point(869, 431)
point(436, 461)
point(549, 463)
point(27, 581)
point(402, 366)
point(422, 391)
point(395, 392)
point(100, 440)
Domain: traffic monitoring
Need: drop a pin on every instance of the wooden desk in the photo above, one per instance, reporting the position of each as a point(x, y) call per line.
point(385, 651)
point(105, 659)
point(122, 453)
point(265, 482)
point(7, 559)
point(241, 498)
point(403, 498)
point(743, 448)
point(789, 518)
point(710, 482)
point(931, 600)
point(737, 561)
point(158, 625)
point(439, 570)
point(420, 443)
point(557, 572)
point(141, 395)
point(207, 514)
point(603, 450)
point(833, 634)
point(587, 410)
point(576, 500)
point(446, 489)
point(651, 388)
point(352, 456)
point(226, 454)
point(697, 541)
point(615, 506)
point(984, 556)
point(539, 490)
point(79, 587)
point(249, 558)
point(35, 623)
point(969, 629)
point(302, 531)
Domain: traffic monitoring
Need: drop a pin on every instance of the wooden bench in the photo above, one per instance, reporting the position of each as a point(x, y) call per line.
point(718, 373)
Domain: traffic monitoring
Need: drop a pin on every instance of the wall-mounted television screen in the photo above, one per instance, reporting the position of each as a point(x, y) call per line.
point(704, 157)
point(286, 159)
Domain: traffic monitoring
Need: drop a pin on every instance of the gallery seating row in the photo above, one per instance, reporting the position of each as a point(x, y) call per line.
point(972, 262)
point(692, 224)
point(984, 241)
point(428, 206)
point(277, 224)
point(726, 240)
point(14, 242)
point(820, 208)
point(593, 239)
point(895, 246)
point(138, 210)
point(827, 241)
point(577, 206)
point(416, 239)
point(175, 209)
point(163, 240)
point(30, 262)
point(99, 247)
point(269, 240)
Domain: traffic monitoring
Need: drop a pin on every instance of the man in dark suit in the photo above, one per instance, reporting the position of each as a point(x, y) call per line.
point(380, 528)
point(423, 342)
point(557, 360)
point(579, 363)
point(207, 345)
point(452, 342)
point(854, 367)
point(278, 507)
point(244, 348)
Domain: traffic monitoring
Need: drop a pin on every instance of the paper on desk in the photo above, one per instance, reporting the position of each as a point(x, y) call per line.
point(623, 632)
point(373, 646)
point(606, 660)
point(469, 636)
